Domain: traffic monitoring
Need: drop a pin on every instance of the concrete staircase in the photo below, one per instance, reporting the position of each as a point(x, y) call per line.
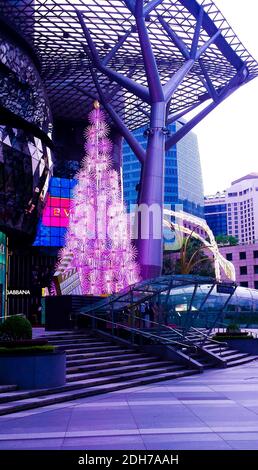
point(94, 366)
point(231, 357)
point(210, 354)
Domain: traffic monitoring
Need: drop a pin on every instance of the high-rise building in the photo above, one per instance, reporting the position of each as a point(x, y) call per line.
point(183, 176)
point(215, 210)
point(245, 260)
point(242, 209)
point(235, 211)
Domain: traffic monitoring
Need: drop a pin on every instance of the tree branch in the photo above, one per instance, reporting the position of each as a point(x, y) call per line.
point(207, 44)
point(179, 43)
point(189, 125)
point(172, 118)
point(130, 5)
point(240, 77)
point(170, 87)
point(130, 85)
point(197, 34)
point(208, 83)
point(116, 47)
point(151, 69)
point(150, 6)
point(124, 131)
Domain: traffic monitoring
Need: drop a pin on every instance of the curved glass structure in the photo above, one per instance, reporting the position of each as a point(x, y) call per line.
point(25, 129)
point(188, 301)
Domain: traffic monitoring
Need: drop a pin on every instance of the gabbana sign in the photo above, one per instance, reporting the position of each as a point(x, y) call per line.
point(18, 292)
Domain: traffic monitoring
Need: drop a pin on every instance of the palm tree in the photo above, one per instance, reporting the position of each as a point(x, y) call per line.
point(192, 259)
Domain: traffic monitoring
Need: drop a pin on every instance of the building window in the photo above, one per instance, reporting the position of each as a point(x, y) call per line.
point(244, 284)
point(229, 256)
point(256, 284)
point(243, 270)
point(255, 253)
point(242, 255)
point(256, 269)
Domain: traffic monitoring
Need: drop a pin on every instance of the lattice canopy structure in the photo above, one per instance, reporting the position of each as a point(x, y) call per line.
point(147, 61)
point(52, 29)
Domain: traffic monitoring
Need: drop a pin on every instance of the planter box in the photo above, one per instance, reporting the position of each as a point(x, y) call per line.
point(21, 343)
point(33, 371)
point(233, 333)
point(244, 345)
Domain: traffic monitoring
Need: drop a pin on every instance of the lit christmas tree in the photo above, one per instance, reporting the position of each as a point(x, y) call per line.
point(98, 241)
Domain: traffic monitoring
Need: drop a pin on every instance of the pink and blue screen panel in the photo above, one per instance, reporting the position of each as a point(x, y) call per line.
point(55, 219)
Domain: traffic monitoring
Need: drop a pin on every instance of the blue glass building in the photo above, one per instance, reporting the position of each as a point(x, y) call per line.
point(216, 213)
point(183, 176)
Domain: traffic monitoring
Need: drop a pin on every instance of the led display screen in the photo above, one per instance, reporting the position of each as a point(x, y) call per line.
point(55, 219)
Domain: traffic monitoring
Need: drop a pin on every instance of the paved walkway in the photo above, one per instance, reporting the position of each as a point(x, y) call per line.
point(214, 410)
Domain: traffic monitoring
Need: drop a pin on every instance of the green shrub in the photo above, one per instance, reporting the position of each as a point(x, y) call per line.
point(233, 328)
point(226, 337)
point(16, 327)
point(27, 350)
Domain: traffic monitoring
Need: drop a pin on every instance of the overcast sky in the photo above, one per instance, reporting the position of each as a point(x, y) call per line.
point(228, 137)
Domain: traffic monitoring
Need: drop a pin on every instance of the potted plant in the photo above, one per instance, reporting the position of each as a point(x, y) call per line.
point(233, 328)
point(26, 362)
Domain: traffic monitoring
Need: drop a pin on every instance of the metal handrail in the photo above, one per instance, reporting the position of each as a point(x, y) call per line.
point(208, 337)
point(160, 325)
point(137, 330)
point(220, 343)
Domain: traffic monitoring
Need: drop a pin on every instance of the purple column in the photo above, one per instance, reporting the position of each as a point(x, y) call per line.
point(151, 192)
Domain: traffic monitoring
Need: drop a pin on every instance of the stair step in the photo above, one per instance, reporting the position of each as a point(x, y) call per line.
point(31, 403)
point(86, 342)
point(89, 349)
point(215, 349)
point(225, 351)
point(67, 336)
point(231, 352)
point(239, 362)
point(79, 384)
point(89, 355)
point(7, 388)
point(82, 367)
point(122, 372)
point(125, 371)
point(100, 360)
point(235, 357)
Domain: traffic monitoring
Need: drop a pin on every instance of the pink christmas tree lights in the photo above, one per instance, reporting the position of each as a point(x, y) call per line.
point(98, 240)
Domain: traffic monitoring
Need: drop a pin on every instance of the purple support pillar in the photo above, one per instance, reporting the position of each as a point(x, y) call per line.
point(151, 193)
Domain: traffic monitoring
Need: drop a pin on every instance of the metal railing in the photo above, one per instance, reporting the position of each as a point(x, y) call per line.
point(184, 336)
point(133, 332)
point(206, 337)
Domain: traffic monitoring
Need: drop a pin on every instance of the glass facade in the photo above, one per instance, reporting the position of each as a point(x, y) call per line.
point(216, 218)
point(22, 91)
point(26, 122)
point(183, 178)
point(242, 307)
point(25, 168)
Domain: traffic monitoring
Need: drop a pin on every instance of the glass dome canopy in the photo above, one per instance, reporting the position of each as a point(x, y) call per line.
point(187, 300)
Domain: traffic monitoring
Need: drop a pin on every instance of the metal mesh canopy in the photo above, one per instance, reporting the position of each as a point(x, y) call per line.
point(53, 30)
